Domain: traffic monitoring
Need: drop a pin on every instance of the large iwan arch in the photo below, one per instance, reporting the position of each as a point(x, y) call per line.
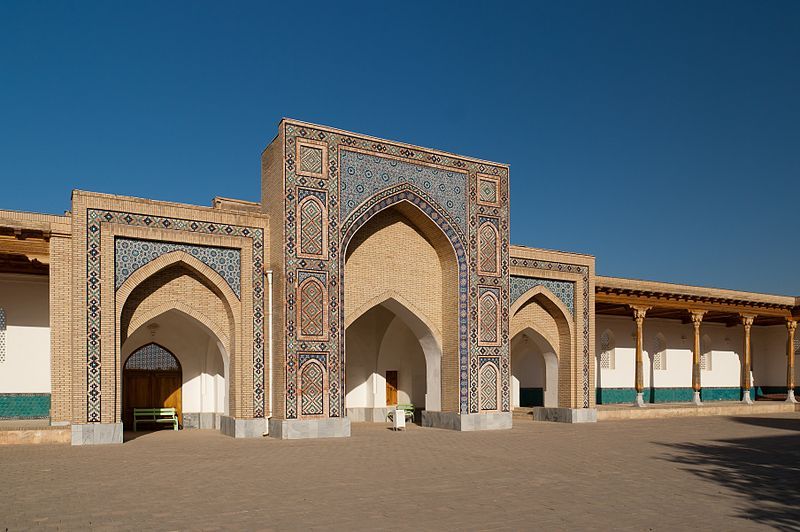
point(180, 303)
point(542, 350)
point(401, 280)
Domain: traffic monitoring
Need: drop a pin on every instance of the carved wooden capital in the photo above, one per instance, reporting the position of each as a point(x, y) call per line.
point(791, 325)
point(747, 320)
point(639, 312)
point(697, 317)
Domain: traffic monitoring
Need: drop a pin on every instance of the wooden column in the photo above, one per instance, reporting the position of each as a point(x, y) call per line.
point(747, 322)
point(791, 326)
point(697, 319)
point(638, 316)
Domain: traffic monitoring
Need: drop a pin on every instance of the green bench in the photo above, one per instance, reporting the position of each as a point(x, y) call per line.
point(408, 409)
point(155, 415)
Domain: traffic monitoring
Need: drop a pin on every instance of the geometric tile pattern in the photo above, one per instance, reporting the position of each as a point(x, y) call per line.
point(584, 272)
point(489, 307)
point(311, 304)
point(312, 389)
point(152, 357)
point(94, 220)
point(364, 175)
point(489, 379)
point(2, 335)
point(487, 190)
point(563, 290)
point(360, 176)
point(311, 226)
point(488, 248)
point(131, 254)
point(311, 159)
point(404, 193)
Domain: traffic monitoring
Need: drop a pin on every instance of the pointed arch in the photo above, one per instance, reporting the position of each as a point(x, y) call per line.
point(543, 294)
point(170, 259)
point(489, 318)
point(312, 226)
point(312, 388)
point(488, 248)
point(540, 299)
point(186, 309)
point(229, 334)
point(489, 387)
point(410, 201)
point(312, 309)
point(607, 350)
point(427, 334)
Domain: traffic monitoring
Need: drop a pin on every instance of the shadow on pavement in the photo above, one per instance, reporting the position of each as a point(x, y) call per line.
point(763, 471)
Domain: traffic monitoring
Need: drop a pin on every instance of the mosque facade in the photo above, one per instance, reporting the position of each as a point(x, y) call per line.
point(370, 274)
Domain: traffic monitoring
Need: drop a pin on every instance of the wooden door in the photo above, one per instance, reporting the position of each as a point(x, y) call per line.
point(168, 390)
point(391, 387)
point(150, 389)
point(137, 393)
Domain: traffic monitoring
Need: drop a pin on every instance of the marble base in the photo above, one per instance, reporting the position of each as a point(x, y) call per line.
point(790, 397)
point(243, 428)
point(96, 433)
point(467, 422)
point(696, 399)
point(640, 400)
point(296, 429)
point(202, 420)
point(746, 399)
point(565, 415)
point(368, 414)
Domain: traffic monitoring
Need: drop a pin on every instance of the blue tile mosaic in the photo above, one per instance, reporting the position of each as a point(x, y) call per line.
point(131, 254)
point(563, 290)
point(364, 175)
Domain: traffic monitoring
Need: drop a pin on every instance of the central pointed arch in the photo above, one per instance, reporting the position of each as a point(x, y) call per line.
point(145, 296)
point(407, 199)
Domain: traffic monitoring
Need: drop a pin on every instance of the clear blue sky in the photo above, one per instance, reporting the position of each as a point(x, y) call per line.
point(662, 137)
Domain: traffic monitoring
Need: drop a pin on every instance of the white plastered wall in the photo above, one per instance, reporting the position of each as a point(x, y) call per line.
point(768, 346)
point(202, 357)
point(381, 342)
point(25, 300)
point(534, 364)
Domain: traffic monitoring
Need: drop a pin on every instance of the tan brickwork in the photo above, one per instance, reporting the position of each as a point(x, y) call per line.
point(572, 360)
point(60, 329)
point(272, 202)
point(162, 285)
point(401, 254)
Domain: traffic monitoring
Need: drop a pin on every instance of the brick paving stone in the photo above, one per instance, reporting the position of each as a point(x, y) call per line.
point(665, 474)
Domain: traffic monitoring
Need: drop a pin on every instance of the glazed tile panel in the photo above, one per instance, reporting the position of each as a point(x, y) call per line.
point(563, 290)
point(584, 273)
point(365, 175)
point(357, 178)
point(131, 254)
point(94, 256)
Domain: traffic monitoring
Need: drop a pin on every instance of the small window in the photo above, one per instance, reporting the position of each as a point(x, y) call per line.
point(705, 353)
point(2, 335)
point(660, 355)
point(607, 350)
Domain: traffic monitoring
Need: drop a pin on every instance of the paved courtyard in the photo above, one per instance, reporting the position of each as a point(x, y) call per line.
point(720, 473)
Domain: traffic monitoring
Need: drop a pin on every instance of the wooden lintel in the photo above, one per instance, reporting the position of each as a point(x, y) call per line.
point(727, 307)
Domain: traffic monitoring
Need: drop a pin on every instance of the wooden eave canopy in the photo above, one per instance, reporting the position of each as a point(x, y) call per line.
point(24, 250)
point(616, 301)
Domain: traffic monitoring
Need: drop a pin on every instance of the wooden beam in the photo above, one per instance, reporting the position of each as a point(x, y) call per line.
point(692, 304)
